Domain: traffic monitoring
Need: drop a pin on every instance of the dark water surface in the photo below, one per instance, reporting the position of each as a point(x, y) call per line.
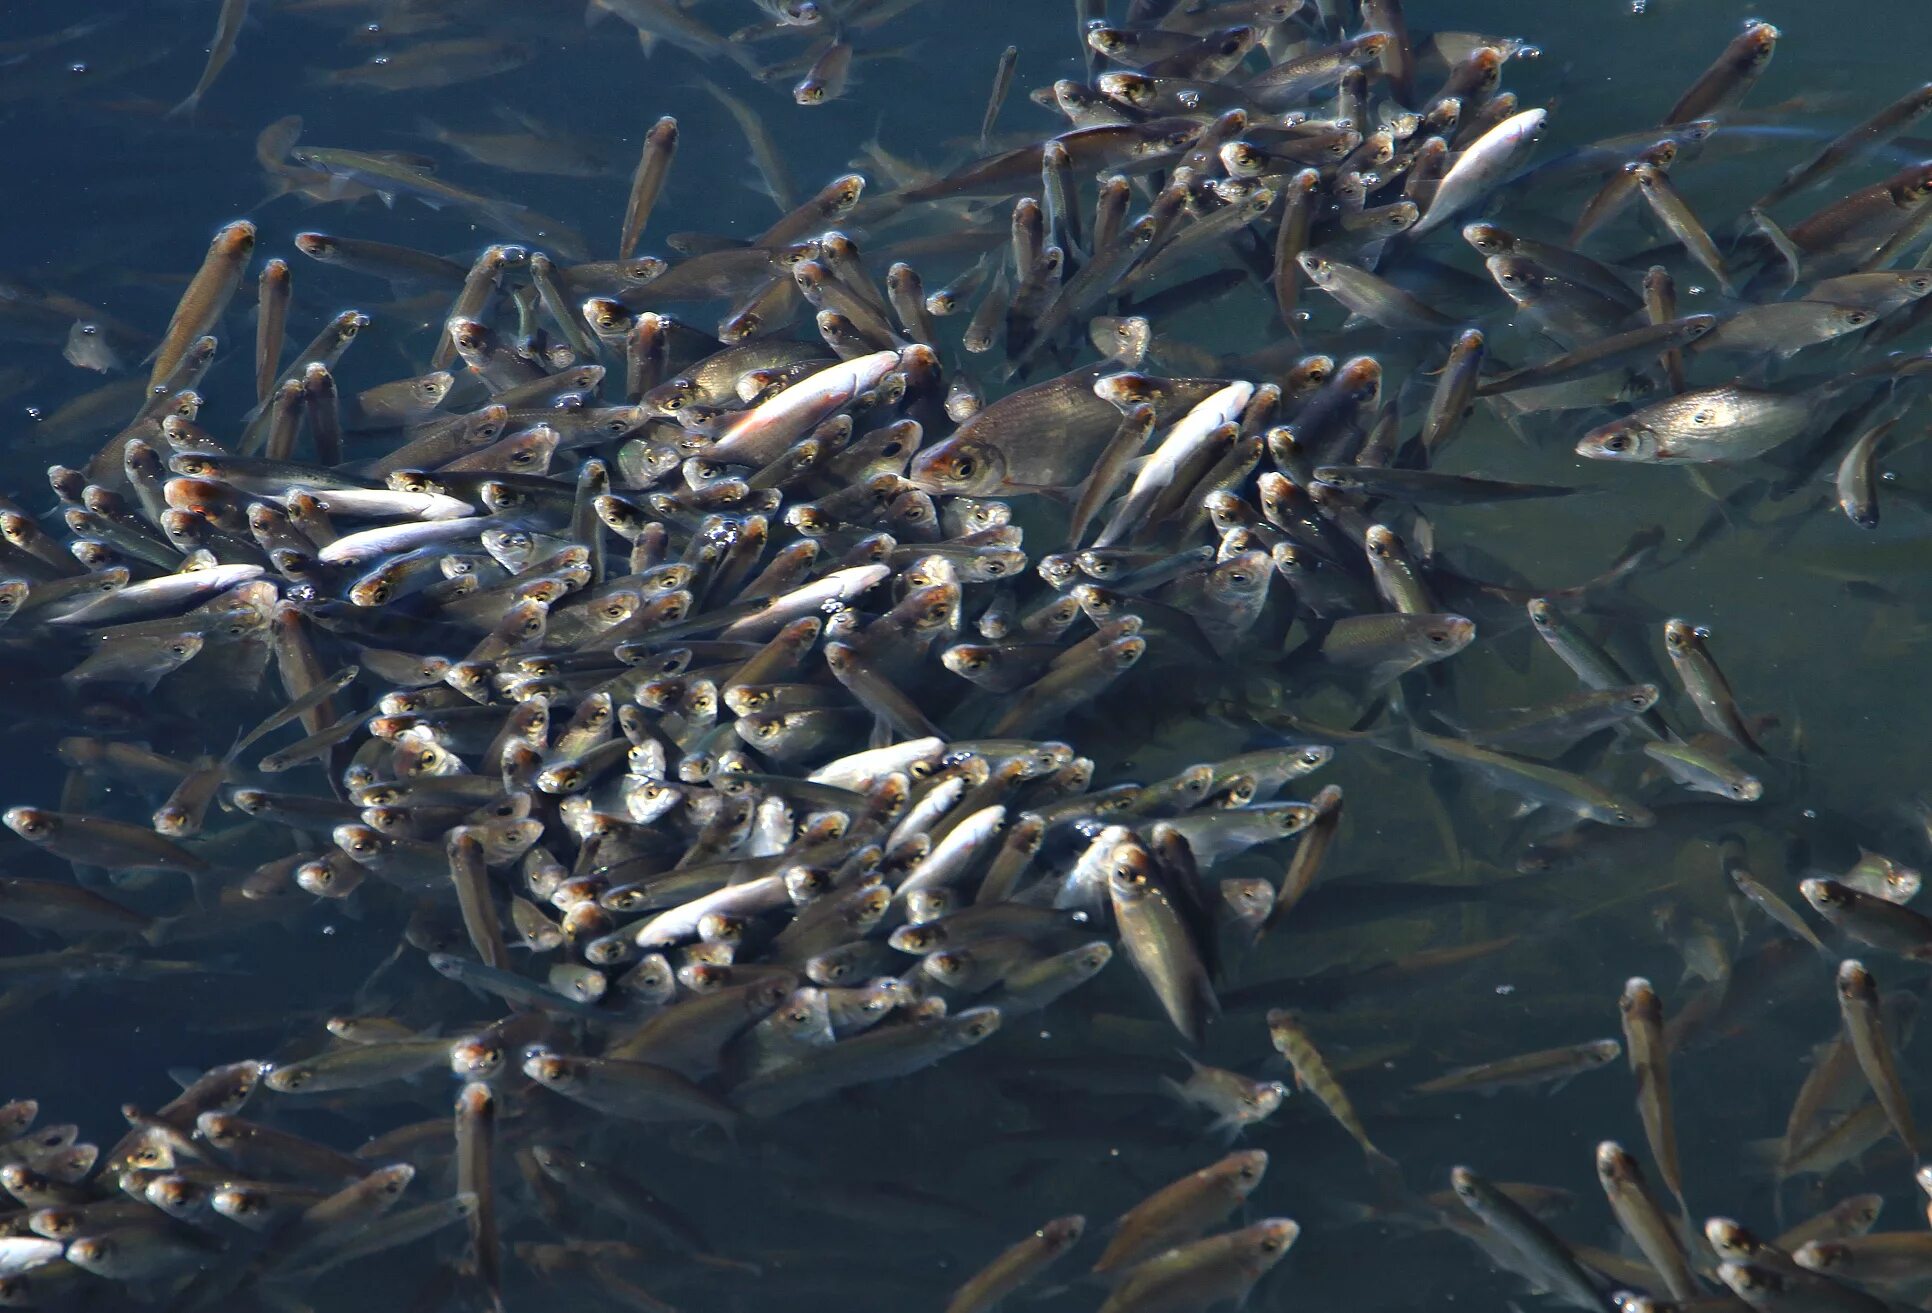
point(888, 1194)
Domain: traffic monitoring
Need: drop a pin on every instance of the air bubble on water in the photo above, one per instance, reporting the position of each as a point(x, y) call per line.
point(380, 60)
point(1303, 316)
point(1890, 476)
point(1637, 8)
point(1696, 289)
point(77, 69)
point(1046, 1034)
point(1081, 917)
point(1505, 991)
point(328, 929)
point(36, 414)
point(1809, 813)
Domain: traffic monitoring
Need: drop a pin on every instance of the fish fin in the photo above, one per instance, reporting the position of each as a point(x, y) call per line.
point(1515, 647)
point(1054, 491)
point(1387, 1175)
point(1763, 1158)
point(186, 109)
point(207, 887)
point(158, 930)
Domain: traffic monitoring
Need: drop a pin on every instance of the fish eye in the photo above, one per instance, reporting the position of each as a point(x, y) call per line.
point(1616, 442)
point(1438, 638)
point(1703, 417)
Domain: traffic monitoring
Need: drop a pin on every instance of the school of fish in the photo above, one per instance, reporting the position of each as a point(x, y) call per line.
point(821, 740)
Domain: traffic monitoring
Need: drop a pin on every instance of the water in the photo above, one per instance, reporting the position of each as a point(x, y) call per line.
point(890, 1194)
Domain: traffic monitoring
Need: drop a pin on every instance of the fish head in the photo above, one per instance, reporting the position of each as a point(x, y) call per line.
point(976, 1024)
point(1442, 636)
point(1268, 1242)
point(1911, 185)
point(1130, 871)
point(1488, 239)
point(1135, 90)
point(1518, 278)
point(1240, 579)
point(1088, 959)
point(1241, 1171)
point(959, 467)
point(1261, 1101)
point(546, 1068)
point(1745, 788)
point(1628, 439)
point(1318, 267)
point(1681, 638)
point(31, 823)
point(1243, 159)
point(1823, 1256)
point(1758, 43)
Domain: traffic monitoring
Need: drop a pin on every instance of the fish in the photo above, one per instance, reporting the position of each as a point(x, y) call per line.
point(1537, 1250)
point(1728, 80)
point(1158, 939)
point(1858, 1005)
point(428, 65)
point(1539, 785)
point(1235, 1100)
point(1727, 423)
point(1643, 1221)
point(1180, 1211)
point(1485, 164)
point(1706, 684)
point(205, 298)
point(1217, 1268)
point(1018, 1266)
point(228, 25)
point(1547, 1066)
point(1312, 1073)
point(1643, 1044)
